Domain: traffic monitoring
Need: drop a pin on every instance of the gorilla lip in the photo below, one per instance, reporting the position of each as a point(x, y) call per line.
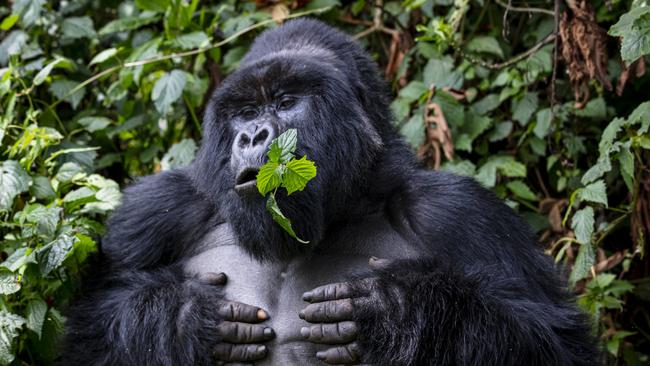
point(246, 181)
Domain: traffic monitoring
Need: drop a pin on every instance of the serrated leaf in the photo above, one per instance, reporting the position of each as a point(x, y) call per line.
point(13, 181)
point(278, 216)
point(78, 27)
point(44, 220)
point(440, 72)
point(594, 192)
point(500, 131)
point(36, 310)
point(103, 56)
point(287, 143)
point(487, 104)
point(9, 283)
point(641, 114)
point(413, 91)
point(634, 28)
point(10, 325)
point(602, 166)
point(94, 123)
point(179, 155)
point(12, 44)
point(126, 24)
point(582, 265)
point(269, 177)
point(521, 190)
point(543, 125)
point(52, 255)
point(69, 171)
point(19, 258)
point(40, 77)
point(298, 172)
point(167, 90)
point(582, 225)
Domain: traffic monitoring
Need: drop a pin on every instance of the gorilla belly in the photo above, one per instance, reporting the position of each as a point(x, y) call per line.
point(278, 287)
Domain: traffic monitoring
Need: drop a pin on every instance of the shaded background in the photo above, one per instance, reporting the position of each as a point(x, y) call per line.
point(544, 102)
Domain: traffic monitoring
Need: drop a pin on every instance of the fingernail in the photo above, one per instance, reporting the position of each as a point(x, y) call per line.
point(307, 296)
point(268, 332)
point(373, 258)
point(261, 348)
point(301, 314)
point(262, 315)
point(320, 355)
point(304, 331)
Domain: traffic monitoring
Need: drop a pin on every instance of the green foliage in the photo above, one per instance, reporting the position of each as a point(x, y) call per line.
point(284, 170)
point(96, 93)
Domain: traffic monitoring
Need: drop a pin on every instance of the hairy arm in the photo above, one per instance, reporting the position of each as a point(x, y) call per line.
point(485, 295)
point(137, 306)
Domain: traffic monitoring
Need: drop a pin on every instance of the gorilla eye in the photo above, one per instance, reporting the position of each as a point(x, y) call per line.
point(248, 112)
point(286, 103)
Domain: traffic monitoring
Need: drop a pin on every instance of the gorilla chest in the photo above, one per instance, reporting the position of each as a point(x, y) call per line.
point(278, 287)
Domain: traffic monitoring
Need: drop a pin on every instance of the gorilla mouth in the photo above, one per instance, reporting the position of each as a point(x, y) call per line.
point(246, 182)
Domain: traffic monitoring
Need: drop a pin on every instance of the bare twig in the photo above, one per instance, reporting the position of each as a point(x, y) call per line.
point(555, 53)
point(509, 7)
point(548, 39)
point(377, 24)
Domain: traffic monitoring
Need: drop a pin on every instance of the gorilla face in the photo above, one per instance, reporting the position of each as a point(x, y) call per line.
point(256, 104)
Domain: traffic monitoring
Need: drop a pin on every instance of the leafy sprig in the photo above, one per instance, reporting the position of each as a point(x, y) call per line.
point(284, 170)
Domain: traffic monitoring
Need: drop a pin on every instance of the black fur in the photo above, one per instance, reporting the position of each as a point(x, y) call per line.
point(480, 293)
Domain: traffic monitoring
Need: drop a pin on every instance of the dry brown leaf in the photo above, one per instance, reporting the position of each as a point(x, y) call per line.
point(640, 221)
point(636, 69)
point(279, 12)
point(583, 50)
point(438, 137)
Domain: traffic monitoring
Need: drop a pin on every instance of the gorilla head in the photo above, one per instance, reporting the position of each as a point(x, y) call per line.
point(319, 81)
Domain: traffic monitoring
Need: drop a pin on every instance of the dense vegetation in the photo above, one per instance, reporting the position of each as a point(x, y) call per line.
point(545, 102)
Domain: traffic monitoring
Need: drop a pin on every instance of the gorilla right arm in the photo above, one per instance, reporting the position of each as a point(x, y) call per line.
point(138, 307)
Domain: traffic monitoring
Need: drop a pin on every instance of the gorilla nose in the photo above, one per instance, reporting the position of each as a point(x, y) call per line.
point(248, 153)
point(255, 143)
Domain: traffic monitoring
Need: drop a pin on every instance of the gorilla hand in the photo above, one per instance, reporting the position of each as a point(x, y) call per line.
point(239, 331)
point(331, 309)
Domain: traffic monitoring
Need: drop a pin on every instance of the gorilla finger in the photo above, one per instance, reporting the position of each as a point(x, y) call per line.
point(347, 355)
point(333, 291)
point(237, 311)
point(239, 352)
point(212, 278)
point(235, 332)
point(329, 311)
point(331, 333)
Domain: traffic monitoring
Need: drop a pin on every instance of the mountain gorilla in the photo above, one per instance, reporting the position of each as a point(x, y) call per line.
point(404, 266)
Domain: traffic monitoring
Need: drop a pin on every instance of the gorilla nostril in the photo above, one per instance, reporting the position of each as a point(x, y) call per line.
point(244, 141)
point(261, 137)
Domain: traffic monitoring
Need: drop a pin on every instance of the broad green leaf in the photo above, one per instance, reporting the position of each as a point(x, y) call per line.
point(69, 171)
point(191, 40)
point(61, 89)
point(489, 103)
point(28, 10)
point(9, 283)
point(12, 44)
point(485, 44)
point(103, 56)
point(459, 167)
point(602, 166)
point(524, 108)
point(500, 131)
point(269, 177)
point(596, 109)
point(52, 255)
point(641, 114)
point(594, 192)
point(126, 24)
point(413, 91)
point(10, 325)
point(505, 165)
point(36, 310)
point(42, 220)
point(634, 28)
point(543, 125)
point(287, 143)
point(19, 258)
point(582, 265)
point(441, 73)
point(609, 134)
point(413, 130)
point(9, 22)
point(521, 190)
point(298, 172)
point(179, 155)
point(582, 225)
point(278, 216)
point(78, 27)
point(626, 161)
point(13, 181)
point(167, 90)
point(94, 123)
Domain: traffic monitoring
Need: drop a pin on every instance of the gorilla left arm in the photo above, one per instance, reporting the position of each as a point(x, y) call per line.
point(484, 294)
